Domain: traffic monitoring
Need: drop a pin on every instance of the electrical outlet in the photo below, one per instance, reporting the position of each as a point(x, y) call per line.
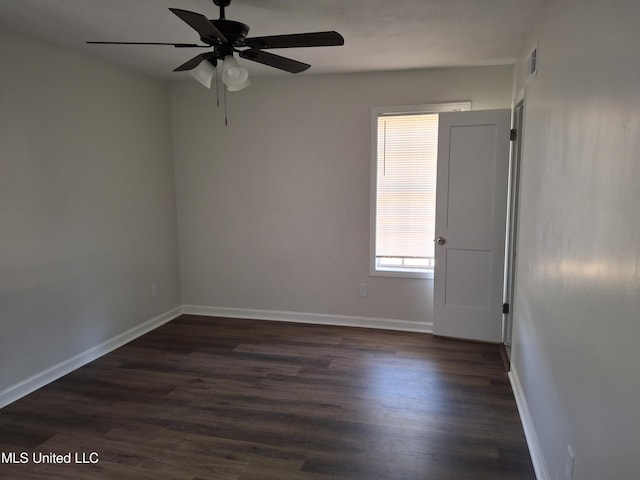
point(154, 290)
point(363, 290)
point(568, 464)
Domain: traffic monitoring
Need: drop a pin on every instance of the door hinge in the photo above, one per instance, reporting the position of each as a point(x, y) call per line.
point(514, 134)
point(505, 308)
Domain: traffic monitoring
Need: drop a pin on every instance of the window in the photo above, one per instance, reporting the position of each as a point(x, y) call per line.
point(403, 186)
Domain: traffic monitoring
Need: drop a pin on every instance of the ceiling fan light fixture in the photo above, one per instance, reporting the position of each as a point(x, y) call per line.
point(204, 73)
point(234, 76)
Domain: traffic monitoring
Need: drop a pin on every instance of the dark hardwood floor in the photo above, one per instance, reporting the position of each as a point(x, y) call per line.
point(226, 399)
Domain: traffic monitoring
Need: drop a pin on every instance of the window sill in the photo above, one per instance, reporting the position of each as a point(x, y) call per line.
point(402, 273)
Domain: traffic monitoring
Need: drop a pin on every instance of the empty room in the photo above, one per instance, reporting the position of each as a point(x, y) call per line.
point(319, 240)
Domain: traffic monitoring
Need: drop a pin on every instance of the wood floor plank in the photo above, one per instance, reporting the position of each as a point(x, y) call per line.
point(229, 399)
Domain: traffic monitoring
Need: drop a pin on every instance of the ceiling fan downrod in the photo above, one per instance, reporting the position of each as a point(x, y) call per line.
point(222, 4)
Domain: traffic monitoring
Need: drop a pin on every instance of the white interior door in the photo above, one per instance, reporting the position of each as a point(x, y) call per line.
point(471, 203)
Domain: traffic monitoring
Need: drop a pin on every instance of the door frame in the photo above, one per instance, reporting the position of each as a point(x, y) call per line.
point(513, 215)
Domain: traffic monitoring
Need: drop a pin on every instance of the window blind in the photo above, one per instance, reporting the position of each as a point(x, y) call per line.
point(406, 185)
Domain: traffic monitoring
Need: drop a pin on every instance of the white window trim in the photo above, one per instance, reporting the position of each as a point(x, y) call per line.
point(377, 112)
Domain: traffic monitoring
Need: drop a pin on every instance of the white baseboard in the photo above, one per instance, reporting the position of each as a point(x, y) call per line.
point(535, 450)
point(41, 379)
point(316, 318)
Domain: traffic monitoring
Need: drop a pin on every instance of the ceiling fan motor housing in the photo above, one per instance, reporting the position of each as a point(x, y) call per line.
point(234, 32)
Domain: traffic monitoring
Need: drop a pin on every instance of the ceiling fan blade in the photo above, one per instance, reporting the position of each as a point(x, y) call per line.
point(177, 45)
point(194, 62)
point(207, 31)
point(276, 61)
point(313, 39)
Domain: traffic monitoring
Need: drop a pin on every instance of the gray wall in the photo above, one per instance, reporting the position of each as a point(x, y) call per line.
point(274, 209)
point(577, 307)
point(87, 205)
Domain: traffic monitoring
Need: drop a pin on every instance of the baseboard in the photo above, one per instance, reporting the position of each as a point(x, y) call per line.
point(41, 379)
point(316, 318)
point(535, 450)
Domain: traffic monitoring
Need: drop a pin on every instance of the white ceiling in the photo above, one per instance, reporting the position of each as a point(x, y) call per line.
point(379, 34)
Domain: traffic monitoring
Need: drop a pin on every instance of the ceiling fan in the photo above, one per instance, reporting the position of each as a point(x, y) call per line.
point(228, 36)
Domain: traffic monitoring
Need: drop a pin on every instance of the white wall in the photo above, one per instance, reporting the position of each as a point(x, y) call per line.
point(274, 209)
point(87, 205)
point(577, 307)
